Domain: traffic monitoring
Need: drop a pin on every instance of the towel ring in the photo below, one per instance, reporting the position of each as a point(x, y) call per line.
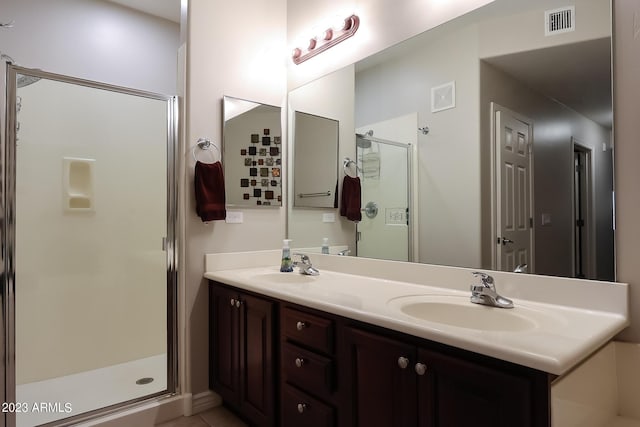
point(345, 167)
point(205, 144)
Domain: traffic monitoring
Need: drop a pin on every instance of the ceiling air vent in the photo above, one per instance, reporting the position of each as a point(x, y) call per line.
point(559, 21)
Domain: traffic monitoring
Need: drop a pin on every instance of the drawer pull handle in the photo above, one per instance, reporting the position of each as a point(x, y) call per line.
point(302, 407)
point(421, 368)
point(301, 325)
point(299, 362)
point(403, 362)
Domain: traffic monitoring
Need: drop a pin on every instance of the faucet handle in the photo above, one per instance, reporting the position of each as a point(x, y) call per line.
point(303, 257)
point(486, 279)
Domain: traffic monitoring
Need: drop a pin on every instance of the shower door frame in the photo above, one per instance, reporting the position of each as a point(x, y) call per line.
point(8, 134)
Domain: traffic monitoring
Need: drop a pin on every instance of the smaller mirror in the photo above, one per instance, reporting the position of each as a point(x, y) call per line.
point(315, 171)
point(252, 137)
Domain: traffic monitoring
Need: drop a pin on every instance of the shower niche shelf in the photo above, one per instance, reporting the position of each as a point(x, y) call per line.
point(78, 191)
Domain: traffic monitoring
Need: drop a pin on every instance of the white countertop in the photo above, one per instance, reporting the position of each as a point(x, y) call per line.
point(557, 337)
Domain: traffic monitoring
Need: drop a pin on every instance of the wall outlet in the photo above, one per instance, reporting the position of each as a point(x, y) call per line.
point(234, 217)
point(329, 217)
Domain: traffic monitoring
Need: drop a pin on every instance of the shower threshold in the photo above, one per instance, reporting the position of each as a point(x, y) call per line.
point(71, 395)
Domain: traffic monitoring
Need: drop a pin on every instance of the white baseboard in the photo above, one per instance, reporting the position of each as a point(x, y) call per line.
point(204, 401)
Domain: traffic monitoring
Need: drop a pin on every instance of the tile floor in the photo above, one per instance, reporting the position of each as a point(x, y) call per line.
point(216, 417)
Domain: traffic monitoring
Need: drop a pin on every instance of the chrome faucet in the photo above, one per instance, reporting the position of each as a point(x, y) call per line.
point(344, 252)
point(521, 268)
point(305, 265)
point(485, 293)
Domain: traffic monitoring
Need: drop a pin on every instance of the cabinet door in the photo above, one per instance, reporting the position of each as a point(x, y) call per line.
point(383, 380)
point(455, 392)
point(257, 361)
point(224, 369)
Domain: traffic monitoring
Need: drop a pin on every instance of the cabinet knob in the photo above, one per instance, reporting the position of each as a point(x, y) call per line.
point(238, 303)
point(299, 362)
point(233, 302)
point(302, 407)
point(301, 325)
point(421, 368)
point(403, 362)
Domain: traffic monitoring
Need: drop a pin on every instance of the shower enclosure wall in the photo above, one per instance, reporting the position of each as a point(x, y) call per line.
point(88, 236)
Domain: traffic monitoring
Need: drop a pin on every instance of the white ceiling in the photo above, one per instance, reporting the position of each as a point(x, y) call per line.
point(167, 9)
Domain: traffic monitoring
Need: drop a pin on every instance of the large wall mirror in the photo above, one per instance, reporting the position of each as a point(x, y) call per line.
point(509, 108)
point(252, 153)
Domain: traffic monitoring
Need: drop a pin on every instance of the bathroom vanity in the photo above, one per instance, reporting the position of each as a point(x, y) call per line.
point(346, 349)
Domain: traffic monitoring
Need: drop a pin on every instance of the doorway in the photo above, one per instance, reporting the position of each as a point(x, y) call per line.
point(89, 267)
point(385, 171)
point(512, 190)
point(582, 211)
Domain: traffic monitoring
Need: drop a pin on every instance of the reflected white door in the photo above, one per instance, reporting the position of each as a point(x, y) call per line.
point(513, 190)
point(383, 232)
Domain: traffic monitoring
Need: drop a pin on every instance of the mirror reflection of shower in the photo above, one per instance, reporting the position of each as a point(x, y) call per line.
point(384, 168)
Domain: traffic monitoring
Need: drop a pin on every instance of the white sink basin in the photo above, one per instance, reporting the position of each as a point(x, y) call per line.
point(459, 312)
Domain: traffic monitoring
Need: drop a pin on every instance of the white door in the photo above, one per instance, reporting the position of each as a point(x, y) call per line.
point(513, 190)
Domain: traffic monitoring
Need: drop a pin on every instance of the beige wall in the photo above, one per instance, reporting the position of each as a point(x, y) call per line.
point(626, 101)
point(525, 28)
point(233, 50)
point(80, 38)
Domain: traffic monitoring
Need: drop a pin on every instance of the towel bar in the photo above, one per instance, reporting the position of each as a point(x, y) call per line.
point(323, 194)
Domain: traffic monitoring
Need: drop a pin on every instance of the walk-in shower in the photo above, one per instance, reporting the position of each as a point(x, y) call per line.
point(88, 246)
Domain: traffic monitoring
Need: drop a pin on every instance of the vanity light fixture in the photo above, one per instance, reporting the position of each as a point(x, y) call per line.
point(329, 37)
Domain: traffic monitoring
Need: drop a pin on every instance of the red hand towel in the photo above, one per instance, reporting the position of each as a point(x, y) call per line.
point(210, 196)
point(350, 206)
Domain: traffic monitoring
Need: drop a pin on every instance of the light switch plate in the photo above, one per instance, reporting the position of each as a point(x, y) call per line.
point(329, 217)
point(234, 217)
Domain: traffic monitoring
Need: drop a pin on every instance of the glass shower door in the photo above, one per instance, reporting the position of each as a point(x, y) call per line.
point(384, 171)
point(94, 246)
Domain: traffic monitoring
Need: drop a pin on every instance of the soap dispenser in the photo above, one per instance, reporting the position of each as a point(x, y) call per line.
point(286, 266)
point(325, 245)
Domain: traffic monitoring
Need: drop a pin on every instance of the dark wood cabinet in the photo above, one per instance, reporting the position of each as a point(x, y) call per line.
point(398, 383)
point(278, 363)
point(309, 366)
point(242, 353)
point(383, 382)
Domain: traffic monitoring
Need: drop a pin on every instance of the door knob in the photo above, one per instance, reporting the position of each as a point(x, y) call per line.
point(505, 241)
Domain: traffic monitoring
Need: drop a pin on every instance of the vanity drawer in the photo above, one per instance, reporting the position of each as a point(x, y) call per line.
point(308, 329)
point(300, 409)
point(307, 370)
